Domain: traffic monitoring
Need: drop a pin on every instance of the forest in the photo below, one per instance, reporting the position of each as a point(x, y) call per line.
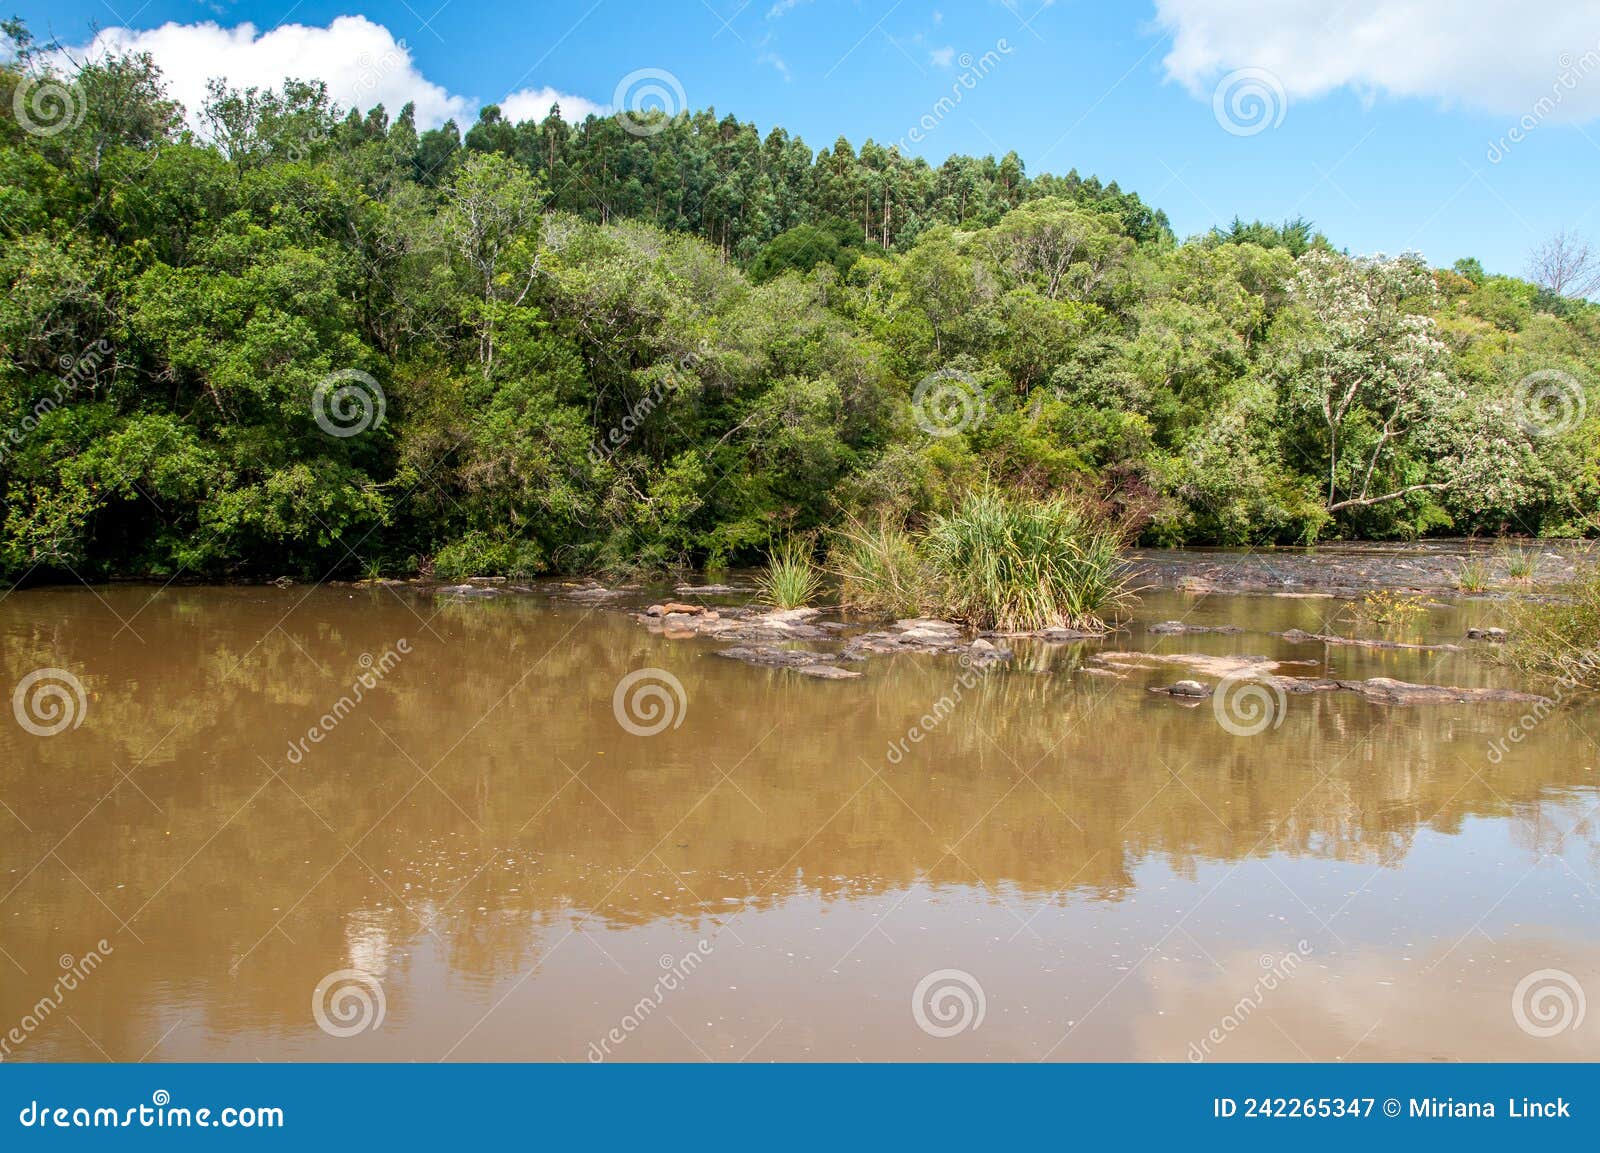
point(275, 337)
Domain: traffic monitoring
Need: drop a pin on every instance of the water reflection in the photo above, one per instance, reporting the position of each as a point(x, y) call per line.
point(476, 831)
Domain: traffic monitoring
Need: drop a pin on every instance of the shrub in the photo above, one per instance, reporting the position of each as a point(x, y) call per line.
point(479, 554)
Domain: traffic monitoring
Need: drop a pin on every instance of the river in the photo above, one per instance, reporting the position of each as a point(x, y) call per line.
point(353, 823)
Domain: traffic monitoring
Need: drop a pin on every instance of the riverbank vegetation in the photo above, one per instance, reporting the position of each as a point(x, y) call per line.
point(1559, 636)
point(314, 342)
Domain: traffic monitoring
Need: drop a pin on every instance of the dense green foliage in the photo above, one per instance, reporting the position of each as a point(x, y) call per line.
point(324, 343)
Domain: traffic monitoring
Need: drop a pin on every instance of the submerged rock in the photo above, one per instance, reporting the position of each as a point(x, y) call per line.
point(465, 591)
point(1060, 636)
point(1496, 635)
point(828, 672)
point(1210, 664)
point(915, 635)
point(1177, 628)
point(812, 664)
point(1393, 692)
point(1300, 637)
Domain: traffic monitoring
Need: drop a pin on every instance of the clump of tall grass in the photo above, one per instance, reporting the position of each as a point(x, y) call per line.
point(1520, 564)
point(791, 579)
point(1017, 564)
point(1560, 637)
point(879, 568)
point(1472, 577)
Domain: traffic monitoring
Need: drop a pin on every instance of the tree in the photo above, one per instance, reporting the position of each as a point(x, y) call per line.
point(491, 221)
point(1566, 266)
point(1373, 370)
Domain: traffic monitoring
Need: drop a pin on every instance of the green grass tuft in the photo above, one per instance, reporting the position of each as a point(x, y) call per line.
point(791, 579)
point(879, 569)
point(1018, 564)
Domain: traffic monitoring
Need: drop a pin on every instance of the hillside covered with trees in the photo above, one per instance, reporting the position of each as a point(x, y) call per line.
point(315, 342)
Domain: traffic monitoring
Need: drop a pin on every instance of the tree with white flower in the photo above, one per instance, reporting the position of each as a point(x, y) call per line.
point(1367, 369)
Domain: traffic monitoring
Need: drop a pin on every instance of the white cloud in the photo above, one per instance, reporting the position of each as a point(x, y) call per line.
point(361, 62)
point(1485, 54)
point(942, 57)
point(534, 104)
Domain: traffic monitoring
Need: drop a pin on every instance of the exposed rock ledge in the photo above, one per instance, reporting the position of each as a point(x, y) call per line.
point(1300, 637)
point(774, 639)
point(1263, 669)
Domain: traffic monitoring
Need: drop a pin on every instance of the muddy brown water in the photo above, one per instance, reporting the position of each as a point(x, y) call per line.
point(477, 860)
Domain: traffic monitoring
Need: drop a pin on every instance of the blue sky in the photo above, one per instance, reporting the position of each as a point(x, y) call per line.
point(1379, 118)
